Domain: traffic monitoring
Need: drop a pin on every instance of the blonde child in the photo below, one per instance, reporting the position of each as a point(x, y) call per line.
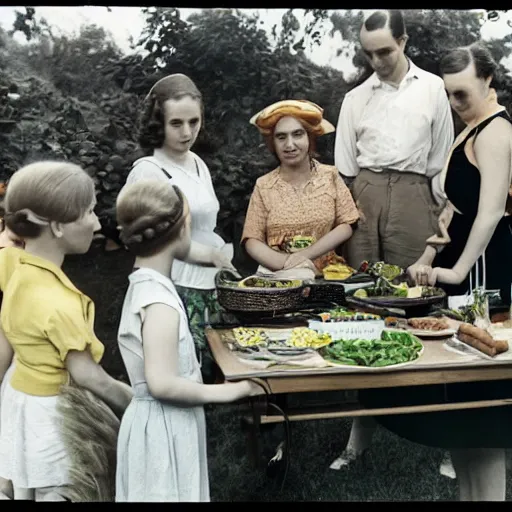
point(7, 239)
point(162, 439)
point(47, 323)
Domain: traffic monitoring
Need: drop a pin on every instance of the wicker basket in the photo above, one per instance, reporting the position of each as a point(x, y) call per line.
point(258, 299)
point(326, 293)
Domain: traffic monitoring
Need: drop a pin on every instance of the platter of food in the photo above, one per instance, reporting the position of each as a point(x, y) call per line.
point(475, 340)
point(254, 282)
point(259, 294)
point(386, 293)
point(425, 327)
point(394, 349)
point(279, 341)
point(338, 272)
point(381, 269)
point(390, 349)
point(343, 323)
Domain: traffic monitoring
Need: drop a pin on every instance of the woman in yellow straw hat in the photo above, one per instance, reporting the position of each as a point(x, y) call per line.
point(301, 211)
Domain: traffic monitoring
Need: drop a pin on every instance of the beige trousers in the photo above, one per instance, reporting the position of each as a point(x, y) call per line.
point(398, 214)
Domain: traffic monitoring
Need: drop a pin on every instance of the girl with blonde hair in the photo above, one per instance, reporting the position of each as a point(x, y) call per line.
point(48, 325)
point(162, 438)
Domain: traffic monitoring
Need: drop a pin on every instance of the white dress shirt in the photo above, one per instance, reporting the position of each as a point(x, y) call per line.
point(404, 128)
point(204, 208)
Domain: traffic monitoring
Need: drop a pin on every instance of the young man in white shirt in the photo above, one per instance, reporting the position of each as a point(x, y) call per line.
point(393, 138)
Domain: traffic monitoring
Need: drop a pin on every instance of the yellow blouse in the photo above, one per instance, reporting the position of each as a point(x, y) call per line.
point(43, 316)
point(278, 212)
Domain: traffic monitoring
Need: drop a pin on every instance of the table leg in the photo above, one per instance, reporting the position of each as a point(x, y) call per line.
point(251, 424)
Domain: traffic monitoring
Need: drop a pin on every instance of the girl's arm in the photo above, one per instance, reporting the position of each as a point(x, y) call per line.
point(90, 375)
point(493, 155)
point(200, 254)
point(160, 338)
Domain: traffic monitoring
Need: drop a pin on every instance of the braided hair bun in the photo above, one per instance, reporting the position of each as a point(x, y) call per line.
point(150, 216)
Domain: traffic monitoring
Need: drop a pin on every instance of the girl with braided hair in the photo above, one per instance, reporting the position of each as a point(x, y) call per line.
point(171, 120)
point(161, 454)
point(301, 198)
point(48, 325)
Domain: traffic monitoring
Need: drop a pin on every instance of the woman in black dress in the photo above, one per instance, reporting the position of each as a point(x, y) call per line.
point(476, 182)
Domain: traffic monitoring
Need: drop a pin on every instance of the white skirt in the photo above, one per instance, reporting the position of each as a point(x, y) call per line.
point(161, 453)
point(7, 378)
point(32, 452)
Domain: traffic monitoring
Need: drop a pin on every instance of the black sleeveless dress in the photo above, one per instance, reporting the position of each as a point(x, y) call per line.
point(462, 187)
point(473, 428)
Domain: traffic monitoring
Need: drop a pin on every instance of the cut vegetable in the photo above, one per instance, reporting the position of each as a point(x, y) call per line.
point(393, 348)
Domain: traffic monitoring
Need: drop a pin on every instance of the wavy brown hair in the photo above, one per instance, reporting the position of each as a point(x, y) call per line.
point(152, 119)
point(150, 216)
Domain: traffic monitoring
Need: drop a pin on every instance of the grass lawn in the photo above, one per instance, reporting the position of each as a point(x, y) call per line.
point(392, 470)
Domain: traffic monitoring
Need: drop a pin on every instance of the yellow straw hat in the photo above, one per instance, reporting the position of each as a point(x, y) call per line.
point(310, 113)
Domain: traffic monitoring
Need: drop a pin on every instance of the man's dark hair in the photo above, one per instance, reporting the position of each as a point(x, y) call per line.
point(392, 19)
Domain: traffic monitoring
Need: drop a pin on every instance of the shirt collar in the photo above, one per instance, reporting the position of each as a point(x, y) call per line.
point(411, 74)
point(36, 261)
point(277, 176)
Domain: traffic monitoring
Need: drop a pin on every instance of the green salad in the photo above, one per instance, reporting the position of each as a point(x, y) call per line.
point(393, 348)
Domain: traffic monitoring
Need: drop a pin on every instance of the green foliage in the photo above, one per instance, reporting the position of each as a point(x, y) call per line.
point(25, 23)
point(238, 75)
point(80, 97)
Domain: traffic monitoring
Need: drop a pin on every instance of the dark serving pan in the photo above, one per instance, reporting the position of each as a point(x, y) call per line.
point(400, 302)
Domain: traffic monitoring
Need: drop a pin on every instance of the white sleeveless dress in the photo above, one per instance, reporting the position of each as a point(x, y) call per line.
point(161, 450)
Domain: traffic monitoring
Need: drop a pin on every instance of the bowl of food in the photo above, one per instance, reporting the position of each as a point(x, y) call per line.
point(386, 293)
point(259, 294)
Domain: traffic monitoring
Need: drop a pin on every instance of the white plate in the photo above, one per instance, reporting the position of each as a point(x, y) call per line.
point(425, 334)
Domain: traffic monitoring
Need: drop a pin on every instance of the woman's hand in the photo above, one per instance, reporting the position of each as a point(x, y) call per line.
point(306, 264)
point(294, 260)
point(420, 274)
point(425, 275)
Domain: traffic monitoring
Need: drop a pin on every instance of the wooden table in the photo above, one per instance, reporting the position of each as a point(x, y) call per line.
point(449, 368)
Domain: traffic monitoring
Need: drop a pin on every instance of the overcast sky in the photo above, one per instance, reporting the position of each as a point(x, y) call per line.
point(124, 22)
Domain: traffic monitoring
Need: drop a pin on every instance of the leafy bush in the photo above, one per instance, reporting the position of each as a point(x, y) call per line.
point(85, 109)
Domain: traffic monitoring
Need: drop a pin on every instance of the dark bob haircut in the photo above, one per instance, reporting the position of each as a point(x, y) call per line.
point(152, 121)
